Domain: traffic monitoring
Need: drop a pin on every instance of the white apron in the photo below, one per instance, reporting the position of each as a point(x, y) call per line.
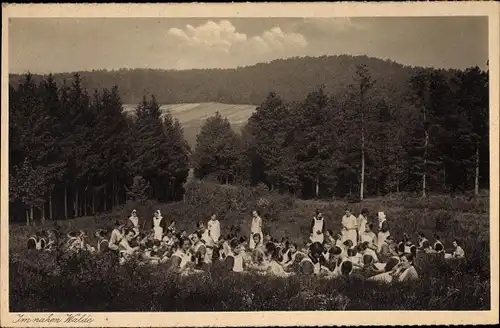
point(318, 226)
point(214, 230)
point(135, 222)
point(238, 262)
point(158, 230)
point(349, 232)
point(185, 258)
point(382, 236)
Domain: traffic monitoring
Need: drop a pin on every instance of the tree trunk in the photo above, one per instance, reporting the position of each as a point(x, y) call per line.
point(27, 218)
point(397, 184)
point(424, 175)
point(444, 177)
point(66, 202)
point(50, 206)
point(75, 204)
point(85, 204)
point(317, 186)
point(476, 175)
point(361, 190)
point(31, 216)
point(43, 214)
point(93, 203)
point(105, 200)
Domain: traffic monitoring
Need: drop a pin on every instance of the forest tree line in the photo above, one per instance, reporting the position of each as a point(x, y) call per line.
point(73, 152)
point(356, 144)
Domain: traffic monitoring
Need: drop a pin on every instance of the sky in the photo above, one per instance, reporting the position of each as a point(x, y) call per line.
point(53, 45)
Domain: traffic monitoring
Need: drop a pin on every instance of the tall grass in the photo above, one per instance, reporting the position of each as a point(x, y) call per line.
point(60, 282)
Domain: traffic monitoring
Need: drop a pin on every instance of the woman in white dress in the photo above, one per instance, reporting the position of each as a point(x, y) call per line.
point(362, 221)
point(383, 230)
point(318, 228)
point(255, 227)
point(349, 227)
point(213, 226)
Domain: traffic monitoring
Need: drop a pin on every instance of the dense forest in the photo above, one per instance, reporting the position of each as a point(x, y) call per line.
point(365, 131)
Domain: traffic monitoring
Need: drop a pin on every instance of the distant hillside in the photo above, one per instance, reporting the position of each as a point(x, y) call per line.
point(292, 78)
point(192, 116)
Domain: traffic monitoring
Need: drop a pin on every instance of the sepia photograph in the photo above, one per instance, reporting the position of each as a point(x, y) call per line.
point(247, 164)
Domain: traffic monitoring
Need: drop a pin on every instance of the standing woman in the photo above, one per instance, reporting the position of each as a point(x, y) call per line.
point(362, 221)
point(213, 226)
point(133, 223)
point(383, 229)
point(349, 224)
point(159, 225)
point(255, 227)
point(318, 228)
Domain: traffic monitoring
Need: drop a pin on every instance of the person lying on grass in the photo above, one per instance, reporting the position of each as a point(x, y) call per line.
point(458, 252)
point(404, 271)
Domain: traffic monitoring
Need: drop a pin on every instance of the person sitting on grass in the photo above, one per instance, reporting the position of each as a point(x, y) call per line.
point(289, 256)
point(335, 258)
point(199, 251)
point(438, 247)
point(179, 261)
point(126, 250)
point(234, 259)
point(369, 269)
point(458, 252)
point(388, 249)
point(369, 237)
point(355, 257)
point(274, 267)
point(152, 254)
point(37, 241)
point(314, 263)
point(423, 242)
point(116, 236)
point(365, 249)
point(102, 244)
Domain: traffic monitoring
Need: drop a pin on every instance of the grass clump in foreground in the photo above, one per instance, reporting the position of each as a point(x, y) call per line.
point(58, 282)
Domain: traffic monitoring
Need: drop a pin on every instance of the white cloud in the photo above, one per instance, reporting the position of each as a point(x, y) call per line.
point(212, 39)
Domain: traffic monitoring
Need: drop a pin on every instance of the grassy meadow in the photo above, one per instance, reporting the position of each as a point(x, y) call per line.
point(57, 282)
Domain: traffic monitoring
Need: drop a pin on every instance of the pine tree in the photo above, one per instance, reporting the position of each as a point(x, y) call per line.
point(364, 83)
point(217, 150)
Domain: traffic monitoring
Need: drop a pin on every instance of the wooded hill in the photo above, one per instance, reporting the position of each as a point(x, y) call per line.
point(292, 78)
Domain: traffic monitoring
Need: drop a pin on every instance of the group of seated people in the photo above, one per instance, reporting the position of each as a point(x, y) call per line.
point(186, 254)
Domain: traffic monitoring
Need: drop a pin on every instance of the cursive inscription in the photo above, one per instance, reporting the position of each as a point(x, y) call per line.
point(54, 318)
